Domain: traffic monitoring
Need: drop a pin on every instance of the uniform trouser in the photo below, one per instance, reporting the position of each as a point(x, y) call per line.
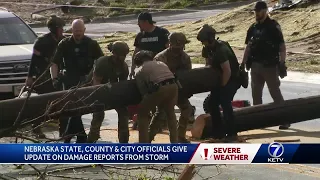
point(165, 99)
point(75, 125)
point(223, 96)
point(261, 75)
point(185, 109)
point(45, 87)
point(123, 129)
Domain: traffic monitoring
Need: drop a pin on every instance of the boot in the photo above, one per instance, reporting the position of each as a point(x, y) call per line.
point(183, 140)
point(93, 137)
point(82, 138)
point(182, 134)
point(285, 126)
point(67, 140)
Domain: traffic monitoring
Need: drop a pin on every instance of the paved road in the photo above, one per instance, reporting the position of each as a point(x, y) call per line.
point(131, 25)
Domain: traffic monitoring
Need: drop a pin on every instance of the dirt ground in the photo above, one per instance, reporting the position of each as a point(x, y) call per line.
point(268, 135)
point(300, 28)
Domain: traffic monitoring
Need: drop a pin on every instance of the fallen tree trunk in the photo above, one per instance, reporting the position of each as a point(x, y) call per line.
point(111, 96)
point(126, 93)
point(268, 115)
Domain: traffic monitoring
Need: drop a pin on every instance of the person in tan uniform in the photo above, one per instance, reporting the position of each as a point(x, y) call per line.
point(177, 60)
point(158, 87)
point(111, 69)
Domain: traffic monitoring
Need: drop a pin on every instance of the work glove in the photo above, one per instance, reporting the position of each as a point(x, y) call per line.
point(131, 75)
point(243, 77)
point(282, 70)
point(56, 83)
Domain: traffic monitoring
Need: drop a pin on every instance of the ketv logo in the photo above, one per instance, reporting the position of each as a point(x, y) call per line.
point(275, 150)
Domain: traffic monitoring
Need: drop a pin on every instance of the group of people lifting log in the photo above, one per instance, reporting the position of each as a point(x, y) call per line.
point(157, 58)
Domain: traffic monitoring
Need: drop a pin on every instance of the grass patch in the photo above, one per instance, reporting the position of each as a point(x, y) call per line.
point(297, 25)
point(304, 63)
point(197, 60)
point(179, 4)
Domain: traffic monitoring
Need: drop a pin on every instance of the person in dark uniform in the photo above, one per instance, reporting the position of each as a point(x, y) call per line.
point(221, 57)
point(111, 69)
point(43, 50)
point(151, 38)
point(265, 55)
point(77, 53)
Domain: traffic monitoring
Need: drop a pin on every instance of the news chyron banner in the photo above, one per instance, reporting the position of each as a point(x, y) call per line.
point(159, 153)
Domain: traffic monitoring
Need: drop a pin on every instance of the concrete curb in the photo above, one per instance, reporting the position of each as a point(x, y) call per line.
point(293, 76)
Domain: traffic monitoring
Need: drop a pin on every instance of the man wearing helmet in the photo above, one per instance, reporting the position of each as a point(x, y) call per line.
point(177, 60)
point(43, 50)
point(158, 87)
point(111, 69)
point(220, 56)
point(76, 54)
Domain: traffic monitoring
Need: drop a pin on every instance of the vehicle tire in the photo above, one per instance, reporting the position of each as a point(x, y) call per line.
point(206, 104)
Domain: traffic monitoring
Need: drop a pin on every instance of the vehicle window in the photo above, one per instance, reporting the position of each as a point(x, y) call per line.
point(13, 31)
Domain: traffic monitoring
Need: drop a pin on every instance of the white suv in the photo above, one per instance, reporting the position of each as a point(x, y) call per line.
point(16, 44)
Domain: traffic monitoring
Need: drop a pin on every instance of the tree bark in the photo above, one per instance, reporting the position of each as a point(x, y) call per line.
point(126, 93)
point(109, 96)
point(268, 115)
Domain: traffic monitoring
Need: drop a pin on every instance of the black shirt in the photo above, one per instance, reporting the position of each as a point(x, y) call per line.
point(219, 54)
point(154, 41)
point(44, 48)
point(77, 58)
point(264, 40)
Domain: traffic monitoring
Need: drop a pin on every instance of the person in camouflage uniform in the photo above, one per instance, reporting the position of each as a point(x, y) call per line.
point(43, 50)
point(111, 69)
point(177, 60)
point(158, 87)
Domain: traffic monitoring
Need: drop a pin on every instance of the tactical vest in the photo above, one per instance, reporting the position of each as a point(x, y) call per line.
point(174, 63)
point(79, 60)
point(114, 72)
point(262, 49)
point(214, 62)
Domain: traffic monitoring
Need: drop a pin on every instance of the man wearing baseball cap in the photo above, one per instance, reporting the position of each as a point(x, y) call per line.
point(151, 37)
point(265, 55)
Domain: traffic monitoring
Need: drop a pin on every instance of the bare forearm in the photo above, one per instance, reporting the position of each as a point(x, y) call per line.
point(54, 69)
point(283, 53)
